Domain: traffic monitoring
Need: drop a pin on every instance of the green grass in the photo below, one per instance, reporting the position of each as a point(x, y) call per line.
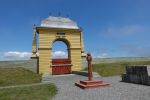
point(120, 59)
point(117, 68)
point(16, 76)
point(38, 92)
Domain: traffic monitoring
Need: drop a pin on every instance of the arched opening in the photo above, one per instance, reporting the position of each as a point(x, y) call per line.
point(59, 50)
point(61, 59)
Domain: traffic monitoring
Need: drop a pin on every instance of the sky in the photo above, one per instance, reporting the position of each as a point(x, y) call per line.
point(112, 28)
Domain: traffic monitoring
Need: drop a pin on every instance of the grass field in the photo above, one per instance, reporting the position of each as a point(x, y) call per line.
point(38, 92)
point(18, 76)
point(120, 59)
point(15, 76)
point(117, 68)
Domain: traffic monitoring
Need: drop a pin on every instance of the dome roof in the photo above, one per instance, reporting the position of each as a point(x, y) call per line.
point(59, 22)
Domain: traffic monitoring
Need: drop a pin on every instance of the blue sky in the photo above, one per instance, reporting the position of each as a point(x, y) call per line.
point(112, 28)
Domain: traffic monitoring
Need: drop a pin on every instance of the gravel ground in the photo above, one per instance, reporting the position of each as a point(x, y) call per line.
point(117, 91)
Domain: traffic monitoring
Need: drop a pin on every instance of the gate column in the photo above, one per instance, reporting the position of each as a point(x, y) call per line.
point(44, 60)
point(76, 59)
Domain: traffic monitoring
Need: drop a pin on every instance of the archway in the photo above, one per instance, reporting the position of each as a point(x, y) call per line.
point(61, 59)
point(54, 29)
point(59, 50)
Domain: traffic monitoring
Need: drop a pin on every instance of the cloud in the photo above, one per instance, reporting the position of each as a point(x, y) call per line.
point(59, 54)
point(126, 50)
point(124, 30)
point(102, 55)
point(13, 55)
point(136, 50)
point(16, 55)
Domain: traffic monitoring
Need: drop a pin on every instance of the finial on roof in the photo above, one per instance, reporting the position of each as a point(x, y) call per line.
point(34, 25)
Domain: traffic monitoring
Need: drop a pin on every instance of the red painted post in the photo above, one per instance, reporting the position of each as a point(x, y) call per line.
point(89, 59)
point(90, 83)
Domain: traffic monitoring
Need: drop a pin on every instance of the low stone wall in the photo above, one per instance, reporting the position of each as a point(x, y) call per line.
point(28, 64)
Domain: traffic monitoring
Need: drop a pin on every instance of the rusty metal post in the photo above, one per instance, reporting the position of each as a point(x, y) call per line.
point(89, 60)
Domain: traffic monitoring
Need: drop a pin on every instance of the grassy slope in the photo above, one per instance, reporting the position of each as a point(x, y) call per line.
point(117, 68)
point(39, 92)
point(15, 76)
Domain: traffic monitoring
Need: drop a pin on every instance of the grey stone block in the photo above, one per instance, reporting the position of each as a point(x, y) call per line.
point(134, 78)
point(148, 70)
point(137, 74)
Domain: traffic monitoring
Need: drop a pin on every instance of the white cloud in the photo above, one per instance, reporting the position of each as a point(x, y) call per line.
point(103, 55)
point(125, 30)
point(13, 55)
point(59, 54)
point(136, 50)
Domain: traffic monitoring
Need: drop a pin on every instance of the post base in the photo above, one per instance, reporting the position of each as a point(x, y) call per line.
point(91, 84)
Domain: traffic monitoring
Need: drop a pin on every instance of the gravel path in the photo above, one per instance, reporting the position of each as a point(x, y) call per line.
point(117, 91)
